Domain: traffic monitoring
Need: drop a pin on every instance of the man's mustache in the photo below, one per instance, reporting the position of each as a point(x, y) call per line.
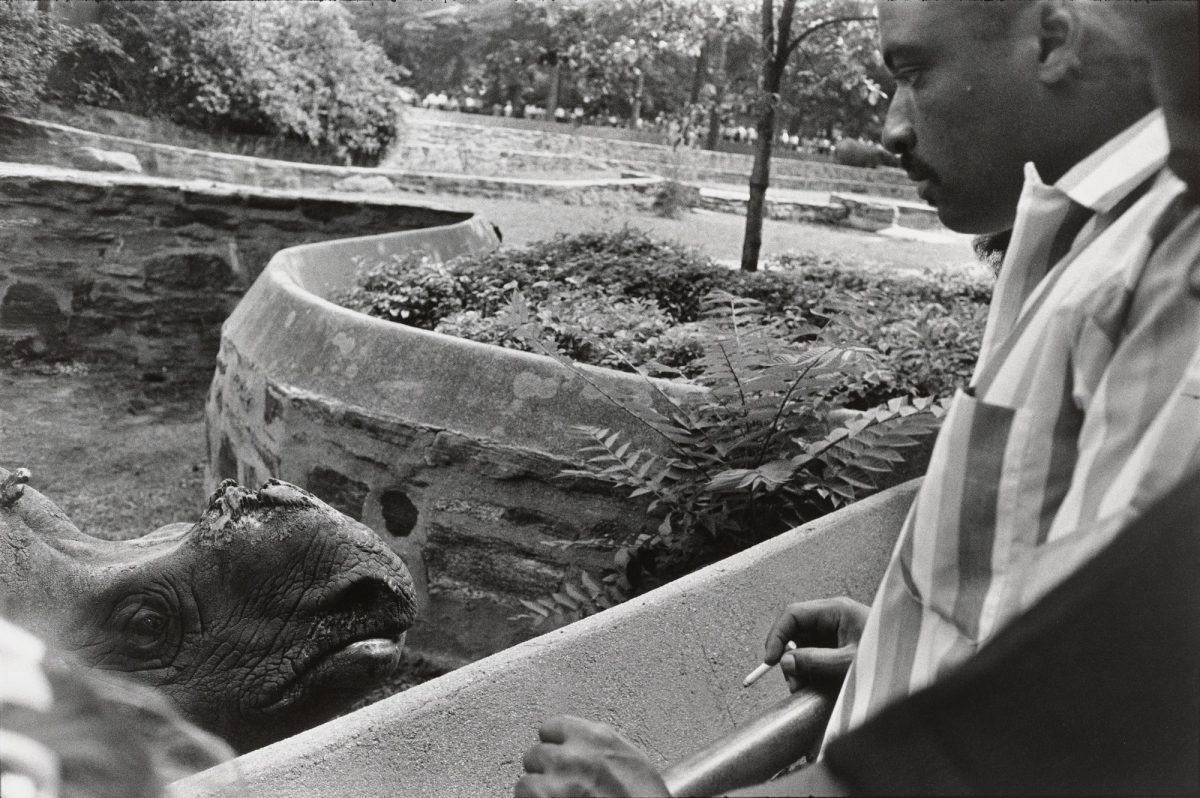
point(917, 169)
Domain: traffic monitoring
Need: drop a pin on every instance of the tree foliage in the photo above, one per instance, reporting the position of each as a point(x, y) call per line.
point(31, 46)
point(277, 68)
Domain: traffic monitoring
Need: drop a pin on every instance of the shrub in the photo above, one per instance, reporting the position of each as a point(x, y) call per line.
point(31, 44)
point(271, 67)
point(927, 326)
point(674, 198)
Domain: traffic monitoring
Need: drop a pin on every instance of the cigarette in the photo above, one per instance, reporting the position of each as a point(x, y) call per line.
point(758, 672)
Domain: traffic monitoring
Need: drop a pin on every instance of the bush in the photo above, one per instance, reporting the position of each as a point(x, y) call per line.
point(271, 68)
point(674, 198)
point(635, 301)
point(31, 43)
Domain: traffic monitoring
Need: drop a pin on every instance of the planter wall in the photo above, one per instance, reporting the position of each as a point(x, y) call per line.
point(448, 448)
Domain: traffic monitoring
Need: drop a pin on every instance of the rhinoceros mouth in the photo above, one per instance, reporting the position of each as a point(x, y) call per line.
point(353, 647)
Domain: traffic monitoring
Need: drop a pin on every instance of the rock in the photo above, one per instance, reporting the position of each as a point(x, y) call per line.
point(368, 184)
point(865, 214)
point(93, 159)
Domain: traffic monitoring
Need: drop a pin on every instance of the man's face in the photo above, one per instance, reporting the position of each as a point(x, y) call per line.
point(956, 117)
point(1168, 33)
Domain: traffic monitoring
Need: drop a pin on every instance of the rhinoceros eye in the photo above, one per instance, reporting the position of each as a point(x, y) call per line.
point(144, 623)
point(146, 626)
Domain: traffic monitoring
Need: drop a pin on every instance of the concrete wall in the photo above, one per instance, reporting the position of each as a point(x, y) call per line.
point(144, 270)
point(665, 669)
point(448, 448)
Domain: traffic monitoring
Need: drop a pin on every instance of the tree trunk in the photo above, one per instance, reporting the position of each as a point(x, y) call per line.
point(718, 79)
point(698, 75)
point(775, 58)
point(760, 177)
point(552, 91)
point(635, 112)
point(44, 6)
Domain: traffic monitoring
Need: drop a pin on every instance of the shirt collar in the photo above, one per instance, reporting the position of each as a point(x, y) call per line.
point(1104, 178)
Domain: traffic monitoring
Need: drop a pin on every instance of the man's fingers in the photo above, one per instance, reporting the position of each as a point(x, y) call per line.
point(539, 757)
point(531, 786)
point(560, 727)
point(806, 623)
point(817, 664)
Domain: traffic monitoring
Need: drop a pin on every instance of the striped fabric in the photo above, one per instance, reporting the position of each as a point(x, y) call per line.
point(28, 769)
point(1084, 407)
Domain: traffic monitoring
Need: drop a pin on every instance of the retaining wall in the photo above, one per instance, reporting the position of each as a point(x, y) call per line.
point(465, 138)
point(448, 448)
point(38, 142)
point(665, 669)
point(144, 270)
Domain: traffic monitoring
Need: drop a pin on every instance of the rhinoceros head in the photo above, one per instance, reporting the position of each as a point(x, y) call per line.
point(272, 613)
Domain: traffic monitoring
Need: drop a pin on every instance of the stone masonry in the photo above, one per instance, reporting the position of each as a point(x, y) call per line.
point(145, 270)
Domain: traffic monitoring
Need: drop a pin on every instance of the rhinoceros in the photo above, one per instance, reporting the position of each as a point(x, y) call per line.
point(270, 614)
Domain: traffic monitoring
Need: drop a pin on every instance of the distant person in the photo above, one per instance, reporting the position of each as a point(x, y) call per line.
point(1082, 410)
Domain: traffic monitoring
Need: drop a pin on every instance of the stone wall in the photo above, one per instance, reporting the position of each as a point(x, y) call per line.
point(39, 142)
point(464, 137)
point(144, 270)
point(162, 131)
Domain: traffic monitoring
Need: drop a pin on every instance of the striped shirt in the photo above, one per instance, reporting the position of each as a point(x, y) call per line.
point(1084, 408)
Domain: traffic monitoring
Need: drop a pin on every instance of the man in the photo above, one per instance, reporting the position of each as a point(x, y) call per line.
point(1083, 408)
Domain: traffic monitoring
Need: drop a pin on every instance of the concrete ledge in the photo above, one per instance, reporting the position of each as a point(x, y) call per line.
point(665, 669)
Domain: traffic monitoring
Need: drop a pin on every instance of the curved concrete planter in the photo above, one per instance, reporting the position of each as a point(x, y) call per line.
point(448, 448)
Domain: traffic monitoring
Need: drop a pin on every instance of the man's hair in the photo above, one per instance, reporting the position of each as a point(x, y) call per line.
point(990, 248)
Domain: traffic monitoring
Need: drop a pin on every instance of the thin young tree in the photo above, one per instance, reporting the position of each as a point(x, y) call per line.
point(777, 47)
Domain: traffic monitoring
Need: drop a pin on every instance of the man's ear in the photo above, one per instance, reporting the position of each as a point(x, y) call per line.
point(1060, 36)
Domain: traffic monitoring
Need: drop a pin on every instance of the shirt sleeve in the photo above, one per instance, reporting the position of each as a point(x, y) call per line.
point(1096, 689)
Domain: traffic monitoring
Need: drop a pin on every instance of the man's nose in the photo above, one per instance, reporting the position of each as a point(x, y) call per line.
point(899, 136)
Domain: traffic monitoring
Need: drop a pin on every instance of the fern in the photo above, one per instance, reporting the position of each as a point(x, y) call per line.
point(769, 446)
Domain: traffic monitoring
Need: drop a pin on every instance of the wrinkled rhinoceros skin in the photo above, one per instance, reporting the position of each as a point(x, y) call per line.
point(271, 614)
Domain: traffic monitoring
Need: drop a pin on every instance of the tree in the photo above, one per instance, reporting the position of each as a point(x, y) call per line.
point(777, 47)
point(624, 40)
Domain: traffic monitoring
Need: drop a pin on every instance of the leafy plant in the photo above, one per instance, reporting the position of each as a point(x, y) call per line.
point(32, 43)
point(768, 447)
point(271, 68)
point(673, 199)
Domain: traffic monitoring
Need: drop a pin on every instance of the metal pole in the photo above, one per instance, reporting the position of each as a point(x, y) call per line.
point(755, 752)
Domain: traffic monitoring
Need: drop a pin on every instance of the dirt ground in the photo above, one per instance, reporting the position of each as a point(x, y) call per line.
point(120, 457)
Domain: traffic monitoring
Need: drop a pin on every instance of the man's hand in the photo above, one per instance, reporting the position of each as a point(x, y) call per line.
point(578, 757)
point(826, 635)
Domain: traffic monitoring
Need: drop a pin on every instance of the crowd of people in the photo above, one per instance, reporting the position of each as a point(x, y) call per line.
point(671, 129)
